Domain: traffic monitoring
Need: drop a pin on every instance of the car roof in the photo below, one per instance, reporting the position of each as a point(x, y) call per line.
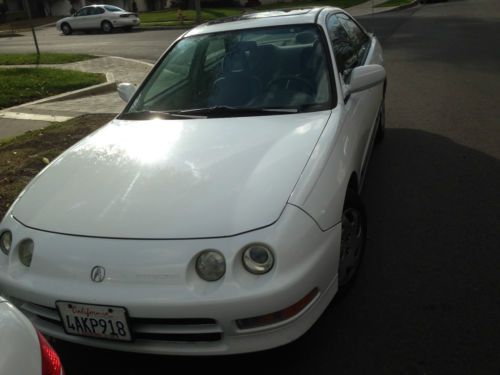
point(275, 17)
point(100, 5)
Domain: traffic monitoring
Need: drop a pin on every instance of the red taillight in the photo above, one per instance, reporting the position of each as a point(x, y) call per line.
point(51, 364)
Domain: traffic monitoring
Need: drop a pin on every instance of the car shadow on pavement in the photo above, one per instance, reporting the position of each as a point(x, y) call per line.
point(426, 299)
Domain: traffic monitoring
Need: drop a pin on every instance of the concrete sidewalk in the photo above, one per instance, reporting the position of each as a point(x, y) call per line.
point(36, 115)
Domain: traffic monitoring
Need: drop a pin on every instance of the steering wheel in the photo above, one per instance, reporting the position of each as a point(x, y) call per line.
point(291, 83)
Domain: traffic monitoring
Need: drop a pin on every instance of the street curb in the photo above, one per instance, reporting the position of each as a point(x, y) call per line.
point(146, 28)
point(101, 88)
point(129, 59)
point(402, 7)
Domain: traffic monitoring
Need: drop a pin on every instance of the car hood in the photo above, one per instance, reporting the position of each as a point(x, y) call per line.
point(161, 179)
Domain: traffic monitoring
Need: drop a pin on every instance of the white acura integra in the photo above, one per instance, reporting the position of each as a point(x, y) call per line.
point(219, 212)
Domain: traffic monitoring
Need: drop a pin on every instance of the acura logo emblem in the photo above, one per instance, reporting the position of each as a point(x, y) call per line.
point(97, 274)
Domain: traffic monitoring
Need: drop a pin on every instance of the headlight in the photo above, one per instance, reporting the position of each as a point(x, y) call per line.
point(258, 259)
point(211, 265)
point(6, 242)
point(26, 252)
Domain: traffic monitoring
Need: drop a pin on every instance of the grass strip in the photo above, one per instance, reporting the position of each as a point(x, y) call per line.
point(22, 85)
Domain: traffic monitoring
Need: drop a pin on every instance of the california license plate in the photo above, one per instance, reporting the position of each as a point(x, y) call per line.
point(103, 322)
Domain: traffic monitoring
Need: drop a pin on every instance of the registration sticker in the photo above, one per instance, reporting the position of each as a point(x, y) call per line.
point(97, 321)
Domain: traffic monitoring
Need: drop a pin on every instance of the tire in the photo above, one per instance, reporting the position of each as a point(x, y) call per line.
point(353, 240)
point(381, 123)
point(66, 29)
point(106, 27)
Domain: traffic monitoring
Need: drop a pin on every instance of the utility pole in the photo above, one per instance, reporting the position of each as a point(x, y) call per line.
point(27, 7)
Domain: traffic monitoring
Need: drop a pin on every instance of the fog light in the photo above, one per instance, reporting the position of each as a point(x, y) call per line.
point(211, 265)
point(278, 316)
point(6, 242)
point(258, 259)
point(26, 252)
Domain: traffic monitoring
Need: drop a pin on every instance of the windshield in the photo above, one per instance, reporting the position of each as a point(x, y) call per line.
point(281, 68)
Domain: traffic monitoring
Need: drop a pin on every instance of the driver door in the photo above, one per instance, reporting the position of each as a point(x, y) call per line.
point(80, 19)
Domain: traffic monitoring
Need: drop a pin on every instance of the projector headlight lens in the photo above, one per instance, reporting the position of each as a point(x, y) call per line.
point(258, 259)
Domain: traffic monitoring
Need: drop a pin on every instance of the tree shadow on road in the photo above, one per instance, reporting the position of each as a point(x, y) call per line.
point(426, 299)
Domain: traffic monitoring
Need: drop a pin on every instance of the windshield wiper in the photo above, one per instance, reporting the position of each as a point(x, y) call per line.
point(228, 111)
point(148, 115)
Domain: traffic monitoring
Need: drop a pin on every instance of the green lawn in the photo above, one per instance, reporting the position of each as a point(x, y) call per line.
point(169, 17)
point(44, 58)
point(395, 3)
point(22, 157)
point(21, 85)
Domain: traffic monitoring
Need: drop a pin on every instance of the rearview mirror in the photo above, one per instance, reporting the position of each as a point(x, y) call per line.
point(126, 91)
point(364, 77)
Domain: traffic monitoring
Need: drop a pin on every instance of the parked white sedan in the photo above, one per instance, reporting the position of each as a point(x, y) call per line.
point(99, 17)
point(220, 212)
point(24, 350)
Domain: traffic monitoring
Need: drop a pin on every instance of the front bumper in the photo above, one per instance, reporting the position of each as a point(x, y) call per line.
point(156, 282)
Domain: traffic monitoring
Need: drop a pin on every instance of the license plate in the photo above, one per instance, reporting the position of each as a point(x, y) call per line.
point(103, 322)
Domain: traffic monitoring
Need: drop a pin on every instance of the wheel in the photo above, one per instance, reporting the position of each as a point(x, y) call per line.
point(352, 243)
point(106, 27)
point(66, 29)
point(288, 82)
point(127, 28)
point(381, 123)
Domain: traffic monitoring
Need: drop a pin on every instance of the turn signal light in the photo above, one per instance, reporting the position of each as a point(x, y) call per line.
point(277, 316)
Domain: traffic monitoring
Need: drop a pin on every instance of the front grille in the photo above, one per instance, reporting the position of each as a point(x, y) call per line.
point(150, 329)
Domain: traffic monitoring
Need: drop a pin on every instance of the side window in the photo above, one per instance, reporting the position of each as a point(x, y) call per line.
point(83, 12)
point(343, 47)
point(360, 40)
point(99, 10)
point(174, 70)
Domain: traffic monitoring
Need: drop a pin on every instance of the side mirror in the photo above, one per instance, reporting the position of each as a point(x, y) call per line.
point(364, 77)
point(126, 91)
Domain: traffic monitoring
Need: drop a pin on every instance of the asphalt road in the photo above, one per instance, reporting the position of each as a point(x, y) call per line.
point(427, 298)
point(137, 44)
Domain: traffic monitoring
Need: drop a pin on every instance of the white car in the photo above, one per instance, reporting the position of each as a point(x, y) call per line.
point(98, 17)
point(219, 213)
point(24, 350)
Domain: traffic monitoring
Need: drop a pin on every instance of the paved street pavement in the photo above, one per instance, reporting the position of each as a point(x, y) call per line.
point(427, 298)
point(139, 44)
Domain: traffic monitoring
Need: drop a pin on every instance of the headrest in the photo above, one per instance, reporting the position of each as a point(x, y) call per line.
point(235, 62)
point(306, 37)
